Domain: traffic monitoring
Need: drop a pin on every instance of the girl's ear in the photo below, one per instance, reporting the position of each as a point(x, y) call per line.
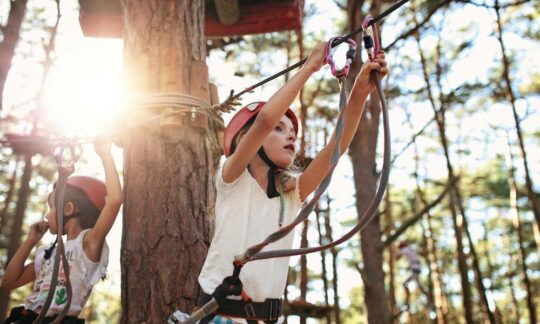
point(69, 208)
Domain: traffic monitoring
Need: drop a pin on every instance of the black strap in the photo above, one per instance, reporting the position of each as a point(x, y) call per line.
point(271, 190)
point(268, 311)
point(20, 315)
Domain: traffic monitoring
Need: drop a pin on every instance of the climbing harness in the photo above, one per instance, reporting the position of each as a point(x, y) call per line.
point(64, 171)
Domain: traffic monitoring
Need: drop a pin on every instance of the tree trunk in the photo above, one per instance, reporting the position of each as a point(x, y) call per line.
point(324, 271)
point(490, 270)
point(168, 171)
point(15, 232)
point(441, 301)
point(334, 252)
point(456, 221)
point(10, 38)
point(515, 303)
point(420, 200)
point(514, 210)
point(531, 194)
point(7, 200)
point(303, 268)
point(363, 152)
point(391, 255)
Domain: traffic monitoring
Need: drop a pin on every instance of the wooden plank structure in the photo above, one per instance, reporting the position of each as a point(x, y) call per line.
point(28, 144)
point(103, 18)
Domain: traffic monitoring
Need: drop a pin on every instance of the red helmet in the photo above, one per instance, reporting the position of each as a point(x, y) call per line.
point(94, 189)
point(242, 117)
point(402, 244)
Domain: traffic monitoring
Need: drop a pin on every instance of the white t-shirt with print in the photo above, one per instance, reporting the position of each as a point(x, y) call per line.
point(83, 275)
point(245, 216)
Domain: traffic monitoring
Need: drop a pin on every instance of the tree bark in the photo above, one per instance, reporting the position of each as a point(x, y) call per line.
point(10, 38)
point(168, 170)
point(15, 232)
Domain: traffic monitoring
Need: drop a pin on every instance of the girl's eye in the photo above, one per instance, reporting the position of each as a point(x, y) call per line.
point(278, 128)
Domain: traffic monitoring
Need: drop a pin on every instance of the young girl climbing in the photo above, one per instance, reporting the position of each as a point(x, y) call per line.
point(255, 192)
point(90, 209)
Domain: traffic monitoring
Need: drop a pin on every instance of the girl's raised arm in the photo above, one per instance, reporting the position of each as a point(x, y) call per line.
point(270, 115)
point(318, 168)
point(93, 241)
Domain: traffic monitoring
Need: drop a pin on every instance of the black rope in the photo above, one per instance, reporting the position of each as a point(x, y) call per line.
point(385, 13)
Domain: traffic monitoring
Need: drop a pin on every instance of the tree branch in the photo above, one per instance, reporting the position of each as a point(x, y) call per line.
point(411, 221)
point(419, 25)
point(413, 138)
point(517, 3)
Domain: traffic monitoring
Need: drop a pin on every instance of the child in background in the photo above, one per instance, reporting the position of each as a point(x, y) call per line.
point(409, 251)
point(90, 210)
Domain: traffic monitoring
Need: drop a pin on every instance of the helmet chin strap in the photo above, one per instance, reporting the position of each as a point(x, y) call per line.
point(271, 190)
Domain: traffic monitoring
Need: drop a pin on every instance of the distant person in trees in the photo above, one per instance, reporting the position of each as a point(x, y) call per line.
point(90, 209)
point(409, 251)
point(259, 144)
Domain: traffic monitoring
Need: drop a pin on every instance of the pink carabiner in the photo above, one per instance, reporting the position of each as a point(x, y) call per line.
point(328, 57)
point(374, 36)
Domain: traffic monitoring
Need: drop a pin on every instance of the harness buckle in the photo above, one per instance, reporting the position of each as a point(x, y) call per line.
point(250, 311)
point(275, 306)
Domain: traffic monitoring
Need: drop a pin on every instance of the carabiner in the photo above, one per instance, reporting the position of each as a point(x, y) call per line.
point(338, 73)
point(371, 38)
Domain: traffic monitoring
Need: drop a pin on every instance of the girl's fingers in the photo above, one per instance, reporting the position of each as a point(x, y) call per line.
point(381, 61)
point(373, 66)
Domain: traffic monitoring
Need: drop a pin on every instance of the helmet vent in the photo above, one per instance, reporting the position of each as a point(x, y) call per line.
point(252, 106)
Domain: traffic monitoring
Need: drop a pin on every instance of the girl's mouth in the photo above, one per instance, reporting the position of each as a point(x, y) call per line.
point(290, 147)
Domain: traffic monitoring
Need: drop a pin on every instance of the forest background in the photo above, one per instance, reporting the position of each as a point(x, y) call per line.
point(464, 98)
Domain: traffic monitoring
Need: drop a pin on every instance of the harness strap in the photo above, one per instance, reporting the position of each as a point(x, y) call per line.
point(268, 311)
point(63, 173)
point(20, 315)
point(271, 190)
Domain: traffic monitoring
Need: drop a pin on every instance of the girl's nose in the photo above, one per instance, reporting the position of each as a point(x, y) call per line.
point(292, 135)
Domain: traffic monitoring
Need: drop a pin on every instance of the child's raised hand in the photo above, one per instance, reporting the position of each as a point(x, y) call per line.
point(102, 146)
point(37, 230)
point(316, 59)
point(363, 80)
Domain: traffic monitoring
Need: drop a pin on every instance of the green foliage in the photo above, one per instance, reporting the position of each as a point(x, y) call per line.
point(355, 313)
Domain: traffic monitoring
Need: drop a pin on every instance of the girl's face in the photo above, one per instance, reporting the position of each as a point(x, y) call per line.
point(279, 145)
